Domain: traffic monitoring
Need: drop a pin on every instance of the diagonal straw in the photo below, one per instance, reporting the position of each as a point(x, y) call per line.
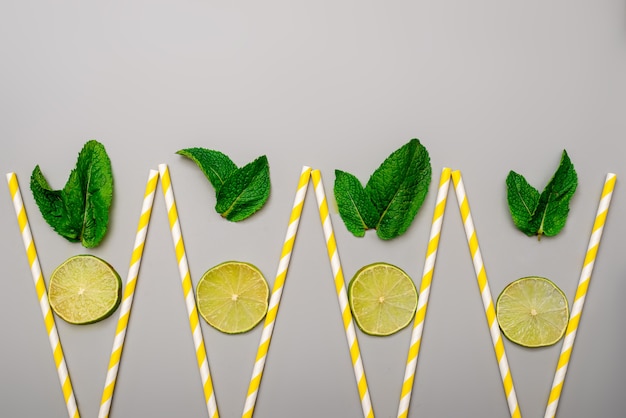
point(127, 299)
point(348, 323)
point(190, 301)
point(40, 287)
point(424, 293)
point(277, 290)
point(581, 292)
point(483, 284)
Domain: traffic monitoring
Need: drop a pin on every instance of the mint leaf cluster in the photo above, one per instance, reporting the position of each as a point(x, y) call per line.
point(239, 192)
point(79, 211)
point(392, 196)
point(546, 213)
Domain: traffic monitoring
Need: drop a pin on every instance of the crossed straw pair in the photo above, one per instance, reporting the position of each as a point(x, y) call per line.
point(276, 294)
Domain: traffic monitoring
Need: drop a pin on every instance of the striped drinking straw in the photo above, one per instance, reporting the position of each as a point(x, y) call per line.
point(129, 291)
point(190, 300)
point(485, 292)
point(277, 290)
point(42, 296)
point(581, 292)
point(348, 322)
point(422, 303)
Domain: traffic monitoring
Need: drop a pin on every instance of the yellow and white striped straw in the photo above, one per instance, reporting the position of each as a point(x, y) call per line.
point(277, 290)
point(129, 292)
point(581, 292)
point(42, 296)
point(348, 322)
point(485, 292)
point(424, 293)
point(190, 301)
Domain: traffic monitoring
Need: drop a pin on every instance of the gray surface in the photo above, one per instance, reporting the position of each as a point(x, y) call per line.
point(487, 86)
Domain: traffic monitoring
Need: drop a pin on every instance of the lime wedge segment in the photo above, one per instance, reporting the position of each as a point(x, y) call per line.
point(84, 289)
point(532, 312)
point(232, 297)
point(383, 299)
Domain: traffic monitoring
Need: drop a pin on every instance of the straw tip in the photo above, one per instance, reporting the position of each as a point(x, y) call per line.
point(162, 167)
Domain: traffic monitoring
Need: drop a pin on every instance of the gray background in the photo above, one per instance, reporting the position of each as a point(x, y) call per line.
point(487, 86)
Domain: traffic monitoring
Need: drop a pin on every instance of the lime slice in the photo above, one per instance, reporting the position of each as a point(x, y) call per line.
point(233, 297)
point(382, 298)
point(84, 289)
point(532, 312)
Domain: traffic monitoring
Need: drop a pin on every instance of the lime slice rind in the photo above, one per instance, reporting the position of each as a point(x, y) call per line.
point(84, 289)
point(532, 312)
point(233, 297)
point(382, 298)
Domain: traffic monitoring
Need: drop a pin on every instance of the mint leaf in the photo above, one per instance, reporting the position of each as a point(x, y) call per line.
point(52, 206)
point(354, 205)
point(553, 206)
point(239, 192)
point(80, 211)
point(94, 175)
point(245, 191)
point(398, 188)
point(396, 191)
point(545, 213)
point(215, 165)
point(523, 199)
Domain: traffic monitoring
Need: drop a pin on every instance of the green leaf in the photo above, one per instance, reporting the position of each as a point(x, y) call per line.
point(553, 206)
point(52, 206)
point(523, 199)
point(355, 207)
point(216, 166)
point(545, 213)
point(245, 191)
point(80, 211)
point(398, 188)
point(392, 196)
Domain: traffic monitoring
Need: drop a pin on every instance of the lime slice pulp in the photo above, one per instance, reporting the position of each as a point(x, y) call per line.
point(84, 289)
point(532, 312)
point(232, 297)
point(383, 299)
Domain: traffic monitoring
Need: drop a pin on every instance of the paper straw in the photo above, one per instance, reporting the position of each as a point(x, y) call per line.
point(348, 323)
point(40, 286)
point(483, 284)
point(424, 293)
point(190, 301)
point(277, 290)
point(581, 292)
point(129, 291)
